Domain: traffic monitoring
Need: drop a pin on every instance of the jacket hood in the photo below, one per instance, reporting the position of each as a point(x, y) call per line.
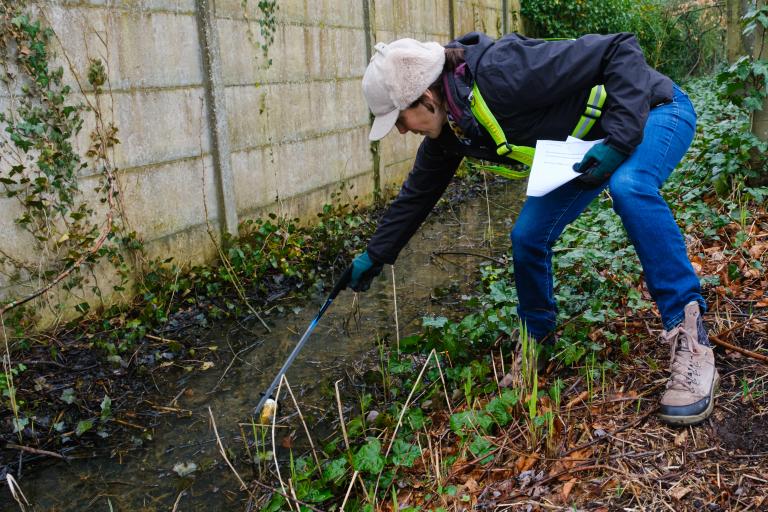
point(475, 44)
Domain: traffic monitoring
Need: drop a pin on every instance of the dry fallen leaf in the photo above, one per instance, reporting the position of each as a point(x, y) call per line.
point(582, 396)
point(679, 492)
point(524, 463)
point(758, 249)
point(681, 438)
point(568, 487)
point(471, 486)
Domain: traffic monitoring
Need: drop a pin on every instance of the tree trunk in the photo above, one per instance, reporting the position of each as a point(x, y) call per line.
point(734, 10)
point(759, 51)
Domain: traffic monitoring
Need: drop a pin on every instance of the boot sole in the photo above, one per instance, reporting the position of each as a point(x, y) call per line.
point(696, 418)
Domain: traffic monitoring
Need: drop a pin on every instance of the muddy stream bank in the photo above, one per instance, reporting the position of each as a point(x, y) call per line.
point(431, 272)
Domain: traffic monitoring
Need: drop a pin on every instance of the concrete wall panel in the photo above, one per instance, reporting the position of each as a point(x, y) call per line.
point(161, 200)
point(297, 128)
point(186, 6)
point(160, 125)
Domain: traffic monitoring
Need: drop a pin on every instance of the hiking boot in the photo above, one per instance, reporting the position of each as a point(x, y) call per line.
point(690, 395)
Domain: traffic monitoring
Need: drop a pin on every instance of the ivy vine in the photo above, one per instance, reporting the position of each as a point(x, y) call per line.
point(745, 82)
point(40, 167)
point(267, 22)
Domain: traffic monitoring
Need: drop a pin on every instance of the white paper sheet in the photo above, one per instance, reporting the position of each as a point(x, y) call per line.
point(553, 164)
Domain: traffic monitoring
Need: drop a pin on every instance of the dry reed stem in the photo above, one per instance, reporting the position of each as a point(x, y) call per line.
point(341, 415)
point(274, 446)
point(223, 452)
point(489, 232)
point(349, 490)
point(178, 499)
point(304, 423)
point(344, 434)
point(8, 373)
point(432, 354)
point(394, 299)
point(13, 485)
point(442, 380)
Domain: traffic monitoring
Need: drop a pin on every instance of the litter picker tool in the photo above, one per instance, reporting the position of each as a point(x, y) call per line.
point(340, 285)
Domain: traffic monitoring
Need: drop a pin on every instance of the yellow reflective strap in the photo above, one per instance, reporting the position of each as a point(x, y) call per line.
point(523, 154)
point(483, 114)
point(583, 127)
point(592, 112)
point(504, 172)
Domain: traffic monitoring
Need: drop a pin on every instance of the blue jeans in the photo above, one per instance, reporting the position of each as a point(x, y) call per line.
point(634, 188)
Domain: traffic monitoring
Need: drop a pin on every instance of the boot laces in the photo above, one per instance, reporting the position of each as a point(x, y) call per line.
point(685, 370)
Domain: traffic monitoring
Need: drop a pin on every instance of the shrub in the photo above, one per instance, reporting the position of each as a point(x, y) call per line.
point(677, 38)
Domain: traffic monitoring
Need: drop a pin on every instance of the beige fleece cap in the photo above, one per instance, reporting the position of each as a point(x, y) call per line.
point(397, 75)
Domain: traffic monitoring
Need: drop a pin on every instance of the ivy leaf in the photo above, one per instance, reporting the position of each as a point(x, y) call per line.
point(334, 470)
point(404, 454)
point(315, 495)
point(416, 419)
point(368, 458)
point(498, 409)
point(467, 421)
point(434, 321)
point(68, 396)
point(83, 427)
point(275, 504)
point(106, 408)
point(480, 446)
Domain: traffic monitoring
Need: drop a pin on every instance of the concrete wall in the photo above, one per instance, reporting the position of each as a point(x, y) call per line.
point(287, 134)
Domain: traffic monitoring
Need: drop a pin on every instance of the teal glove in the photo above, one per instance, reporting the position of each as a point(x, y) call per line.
point(362, 271)
point(598, 164)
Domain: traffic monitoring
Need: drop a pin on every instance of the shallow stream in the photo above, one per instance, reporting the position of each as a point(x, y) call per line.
point(143, 479)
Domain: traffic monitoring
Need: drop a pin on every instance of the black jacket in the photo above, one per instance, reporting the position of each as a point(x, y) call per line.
point(536, 90)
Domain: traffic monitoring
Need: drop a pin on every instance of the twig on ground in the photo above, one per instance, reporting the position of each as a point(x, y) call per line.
point(636, 423)
point(754, 355)
point(556, 476)
point(35, 451)
point(178, 499)
point(234, 358)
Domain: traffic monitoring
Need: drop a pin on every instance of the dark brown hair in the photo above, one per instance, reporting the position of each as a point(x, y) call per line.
point(454, 57)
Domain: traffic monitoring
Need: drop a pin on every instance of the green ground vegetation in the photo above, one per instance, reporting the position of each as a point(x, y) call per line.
point(446, 379)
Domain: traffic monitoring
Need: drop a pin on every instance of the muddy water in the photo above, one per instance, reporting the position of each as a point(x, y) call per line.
point(143, 478)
